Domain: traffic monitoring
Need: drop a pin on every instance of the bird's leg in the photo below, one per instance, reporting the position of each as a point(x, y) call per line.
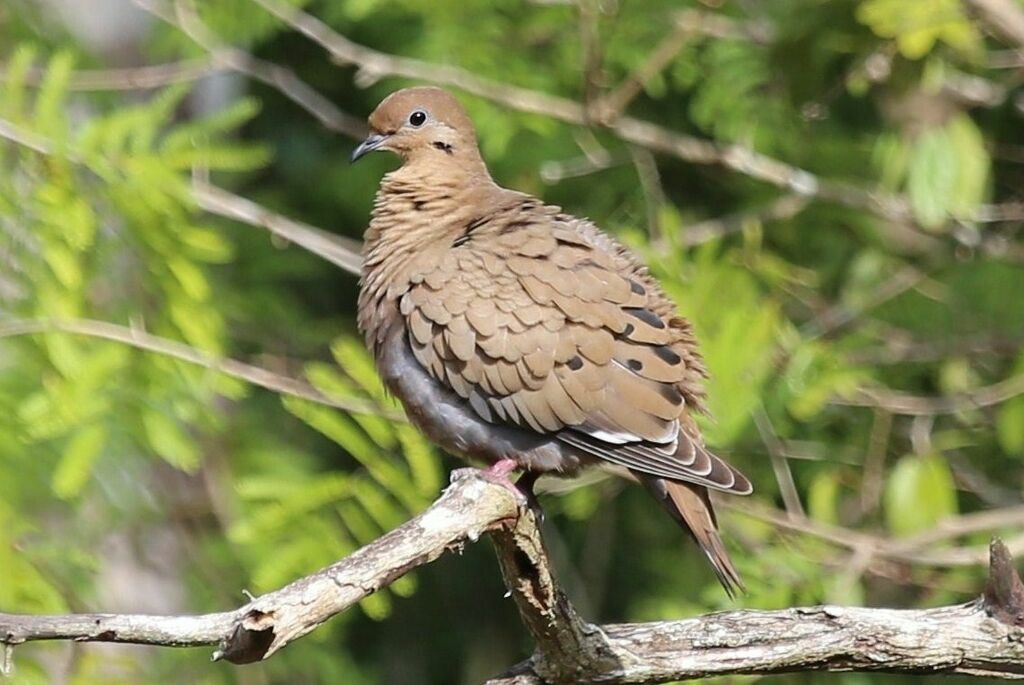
point(498, 473)
point(501, 468)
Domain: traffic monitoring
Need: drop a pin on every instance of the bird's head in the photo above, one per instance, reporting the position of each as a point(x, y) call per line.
point(421, 124)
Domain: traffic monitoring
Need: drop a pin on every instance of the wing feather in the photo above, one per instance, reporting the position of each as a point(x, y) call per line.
point(535, 324)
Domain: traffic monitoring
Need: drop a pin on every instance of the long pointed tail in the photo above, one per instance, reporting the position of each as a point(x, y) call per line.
point(691, 507)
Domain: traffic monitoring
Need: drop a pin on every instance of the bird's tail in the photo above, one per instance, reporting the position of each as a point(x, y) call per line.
point(691, 507)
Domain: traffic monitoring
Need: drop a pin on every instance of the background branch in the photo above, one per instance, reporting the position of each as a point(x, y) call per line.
point(142, 340)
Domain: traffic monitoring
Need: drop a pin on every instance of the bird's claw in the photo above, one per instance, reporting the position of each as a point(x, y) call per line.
point(498, 474)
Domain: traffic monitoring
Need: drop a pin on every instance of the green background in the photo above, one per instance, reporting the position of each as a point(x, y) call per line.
point(135, 482)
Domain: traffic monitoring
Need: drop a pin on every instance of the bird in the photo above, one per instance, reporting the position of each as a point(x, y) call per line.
point(520, 336)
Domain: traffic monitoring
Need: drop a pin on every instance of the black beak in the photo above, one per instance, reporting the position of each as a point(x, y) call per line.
point(369, 145)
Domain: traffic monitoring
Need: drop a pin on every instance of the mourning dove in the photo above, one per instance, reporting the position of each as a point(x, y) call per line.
point(523, 337)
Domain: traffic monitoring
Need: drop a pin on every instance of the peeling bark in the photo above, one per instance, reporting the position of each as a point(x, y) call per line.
point(983, 637)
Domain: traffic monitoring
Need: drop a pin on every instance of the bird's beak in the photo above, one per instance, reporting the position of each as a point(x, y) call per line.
point(369, 145)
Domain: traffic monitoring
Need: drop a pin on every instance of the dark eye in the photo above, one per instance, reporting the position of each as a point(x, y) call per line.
point(418, 118)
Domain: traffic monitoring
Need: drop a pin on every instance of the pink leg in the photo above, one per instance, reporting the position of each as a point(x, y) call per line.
point(502, 468)
point(497, 473)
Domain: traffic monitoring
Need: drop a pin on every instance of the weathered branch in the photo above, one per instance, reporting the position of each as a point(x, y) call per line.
point(982, 637)
point(467, 509)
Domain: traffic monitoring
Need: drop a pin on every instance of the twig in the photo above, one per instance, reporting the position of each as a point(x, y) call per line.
point(688, 23)
point(338, 250)
point(905, 550)
point(840, 316)
point(588, 28)
point(374, 65)
point(608, 108)
point(780, 209)
point(554, 171)
point(982, 637)
point(783, 474)
point(130, 78)
point(900, 347)
point(915, 405)
point(874, 462)
point(134, 337)
point(282, 79)
point(1005, 59)
point(650, 184)
point(967, 524)
point(1005, 18)
point(19, 136)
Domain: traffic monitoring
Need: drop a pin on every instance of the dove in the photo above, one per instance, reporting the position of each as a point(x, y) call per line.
point(522, 337)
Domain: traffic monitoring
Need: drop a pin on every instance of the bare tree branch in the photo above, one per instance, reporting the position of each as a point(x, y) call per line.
point(17, 135)
point(266, 624)
point(780, 209)
point(183, 17)
point(919, 550)
point(981, 637)
point(338, 250)
point(914, 405)
point(131, 78)
point(373, 65)
point(1005, 18)
point(780, 465)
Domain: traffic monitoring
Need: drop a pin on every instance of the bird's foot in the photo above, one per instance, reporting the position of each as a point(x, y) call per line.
point(498, 473)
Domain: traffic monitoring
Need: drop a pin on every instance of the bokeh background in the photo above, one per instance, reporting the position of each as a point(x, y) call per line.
point(832, 191)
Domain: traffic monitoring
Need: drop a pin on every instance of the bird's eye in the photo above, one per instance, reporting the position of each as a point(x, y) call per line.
point(418, 118)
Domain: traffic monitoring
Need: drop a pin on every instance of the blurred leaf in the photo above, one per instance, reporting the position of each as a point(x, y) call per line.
point(1010, 426)
point(167, 439)
point(823, 497)
point(75, 465)
point(931, 178)
point(917, 26)
point(919, 492)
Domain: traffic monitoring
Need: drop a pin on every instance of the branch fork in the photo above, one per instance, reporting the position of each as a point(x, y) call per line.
point(981, 637)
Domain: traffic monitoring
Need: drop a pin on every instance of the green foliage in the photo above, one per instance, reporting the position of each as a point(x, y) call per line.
point(109, 451)
point(917, 26)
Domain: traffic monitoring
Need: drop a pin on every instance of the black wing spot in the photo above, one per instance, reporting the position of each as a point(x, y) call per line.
point(637, 288)
point(667, 355)
point(635, 364)
point(628, 330)
point(671, 393)
point(514, 226)
point(468, 229)
point(645, 315)
point(575, 363)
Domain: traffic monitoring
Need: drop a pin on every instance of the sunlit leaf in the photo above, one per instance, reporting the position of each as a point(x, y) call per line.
point(75, 465)
point(169, 440)
point(919, 493)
